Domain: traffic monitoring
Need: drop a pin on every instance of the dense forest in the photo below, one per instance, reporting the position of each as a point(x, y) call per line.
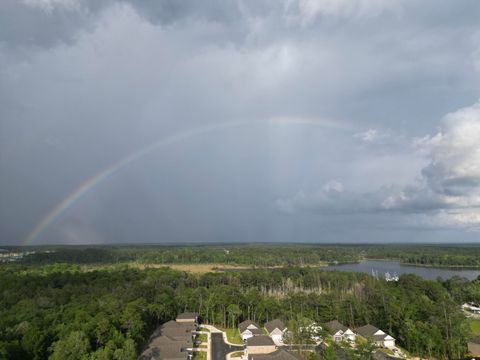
point(65, 311)
point(261, 255)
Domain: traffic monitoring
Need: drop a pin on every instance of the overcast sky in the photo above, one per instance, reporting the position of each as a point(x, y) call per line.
point(229, 121)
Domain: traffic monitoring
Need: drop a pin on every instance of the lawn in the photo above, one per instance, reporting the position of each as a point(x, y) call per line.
point(475, 327)
point(202, 338)
point(233, 336)
point(236, 354)
point(200, 355)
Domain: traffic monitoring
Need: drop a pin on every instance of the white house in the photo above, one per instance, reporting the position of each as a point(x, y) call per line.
point(340, 332)
point(379, 337)
point(276, 329)
point(248, 329)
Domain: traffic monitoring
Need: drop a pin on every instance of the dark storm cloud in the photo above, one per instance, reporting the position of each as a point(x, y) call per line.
point(84, 84)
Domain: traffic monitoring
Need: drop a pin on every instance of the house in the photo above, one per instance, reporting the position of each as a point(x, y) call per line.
point(173, 340)
point(177, 331)
point(187, 317)
point(379, 337)
point(276, 328)
point(340, 332)
point(165, 352)
point(260, 344)
point(474, 346)
point(278, 354)
point(248, 328)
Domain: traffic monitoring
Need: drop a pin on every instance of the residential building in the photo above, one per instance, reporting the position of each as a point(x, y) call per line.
point(278, 354)
point(276, 329)
point(260, 344)
point(248, 328)
point(340, 332)
point(378, 337)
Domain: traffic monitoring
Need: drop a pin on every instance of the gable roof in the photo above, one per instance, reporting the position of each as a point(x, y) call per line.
point(170, 324)
point(370, 331)
point(275, 324)
point(176, 332)
point(367, 330)
point(261, 340)
point(245, 324)
point(164, 347)
point(279, 354)
point(336, 326)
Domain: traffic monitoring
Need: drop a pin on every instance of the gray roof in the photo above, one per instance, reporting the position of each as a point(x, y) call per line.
point(279, 354)
point(168, 340)
point(177, 332)
point(187, 316)
point(366, 330)
point(274, 324)
point(335, 326)
point(164, 353)
point(244, 324)
point(169, 324)
point(165, 347)
point(261, 340)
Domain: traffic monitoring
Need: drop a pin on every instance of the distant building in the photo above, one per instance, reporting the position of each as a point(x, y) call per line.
point(379, 337)
point(248, 329)
point(260, 344)
point(340, 332)
point(276, 329)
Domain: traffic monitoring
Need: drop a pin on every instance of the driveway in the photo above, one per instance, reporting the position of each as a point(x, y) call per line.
point(219, 348)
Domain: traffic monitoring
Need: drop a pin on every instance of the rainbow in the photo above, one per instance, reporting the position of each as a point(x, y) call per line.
point(114, 168)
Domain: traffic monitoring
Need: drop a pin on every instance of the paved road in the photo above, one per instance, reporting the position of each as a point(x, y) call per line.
point(220, 349)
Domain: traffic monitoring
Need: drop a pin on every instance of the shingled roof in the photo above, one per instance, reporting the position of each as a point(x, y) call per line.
point(279, 354)
point(261, 340)
point(336, 326)
point(245, 324)
point(275, 324)
point(370, 331)
point(367, 330)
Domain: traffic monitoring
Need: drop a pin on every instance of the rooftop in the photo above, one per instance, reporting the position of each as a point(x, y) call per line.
point(335, 326)
point(274, 324)
point(245, 324)
point(261, 340)
point(279, 354)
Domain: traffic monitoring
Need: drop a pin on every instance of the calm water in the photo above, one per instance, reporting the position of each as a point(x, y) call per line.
point(393, 267)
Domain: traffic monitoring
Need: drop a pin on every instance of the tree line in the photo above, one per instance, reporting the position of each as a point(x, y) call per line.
point(61, 311)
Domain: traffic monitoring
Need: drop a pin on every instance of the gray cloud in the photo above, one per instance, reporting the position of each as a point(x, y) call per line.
point(448, 187)
point(85, 83)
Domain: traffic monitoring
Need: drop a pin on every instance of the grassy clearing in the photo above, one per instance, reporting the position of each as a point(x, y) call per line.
point(236, 354)
point(200, 355)
point(192, 268)
point(233, 336)
point(202, 338)
point(475, 327)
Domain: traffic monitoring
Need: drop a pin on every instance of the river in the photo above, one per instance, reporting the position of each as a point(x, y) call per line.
point(381, 267)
